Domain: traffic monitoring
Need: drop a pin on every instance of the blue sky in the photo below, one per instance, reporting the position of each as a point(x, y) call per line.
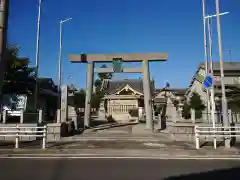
point(123, 26)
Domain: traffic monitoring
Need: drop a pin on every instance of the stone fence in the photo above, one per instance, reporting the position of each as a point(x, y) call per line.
point(183, 129)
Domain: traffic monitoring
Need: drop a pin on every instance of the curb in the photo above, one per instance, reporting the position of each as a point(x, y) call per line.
point(109, 153)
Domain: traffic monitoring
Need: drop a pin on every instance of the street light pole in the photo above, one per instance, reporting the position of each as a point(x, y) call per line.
point(37, 54)
point(205, 54)
point(60, 60)
point(224, 101)
point(60, 56)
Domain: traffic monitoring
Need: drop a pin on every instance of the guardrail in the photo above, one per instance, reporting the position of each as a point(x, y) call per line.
point(214, 132)
point(20, 131)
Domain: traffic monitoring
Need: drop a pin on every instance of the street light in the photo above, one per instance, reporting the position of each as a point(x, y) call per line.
point(37, 53)
point(215, 15)
point(209, 17)
point(60, 55)
point(224, 101)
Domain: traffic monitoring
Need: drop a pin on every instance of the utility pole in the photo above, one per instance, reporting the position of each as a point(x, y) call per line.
point(60, 55)
point(37, 54)
point(205, 54)
point(3, 39)
point(212, 74)
point(209, 23)
point(224, 100)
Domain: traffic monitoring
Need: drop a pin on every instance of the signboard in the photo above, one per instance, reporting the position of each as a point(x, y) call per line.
point(117, 65)
point(208, 81)
point(14, 102)
point(21, 102)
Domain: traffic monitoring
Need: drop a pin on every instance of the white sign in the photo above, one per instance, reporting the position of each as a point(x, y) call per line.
point(21, 102)
point(14, 102)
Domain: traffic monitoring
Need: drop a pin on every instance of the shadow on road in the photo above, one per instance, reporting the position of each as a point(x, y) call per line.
point(215, 174)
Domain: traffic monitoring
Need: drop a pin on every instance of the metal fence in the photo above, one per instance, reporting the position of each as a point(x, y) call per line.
point(21, 131)
point(214, 132)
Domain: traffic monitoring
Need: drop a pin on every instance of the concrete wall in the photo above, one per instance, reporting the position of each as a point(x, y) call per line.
point(53, 132)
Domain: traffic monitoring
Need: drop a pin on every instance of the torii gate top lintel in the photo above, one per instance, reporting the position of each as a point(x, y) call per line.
point(80, 58)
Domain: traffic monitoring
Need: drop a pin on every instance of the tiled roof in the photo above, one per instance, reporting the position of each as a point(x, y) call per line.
point(111, 86)
point(174, 90)
point(46, 83)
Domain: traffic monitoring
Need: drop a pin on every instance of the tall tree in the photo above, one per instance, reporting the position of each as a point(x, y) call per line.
point(197, 104)
point(101, 77)
point(19, 77)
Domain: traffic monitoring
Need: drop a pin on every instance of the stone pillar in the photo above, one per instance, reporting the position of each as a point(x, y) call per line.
point(64, 103)
point(193, 118)
point(89, 89)
point(40, 116)
point(147, 95)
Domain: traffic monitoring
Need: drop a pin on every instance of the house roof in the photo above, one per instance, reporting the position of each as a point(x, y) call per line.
point(227, 66)
point(159, 100)
point(47, 84)
point(112, 86)
point(175, 91)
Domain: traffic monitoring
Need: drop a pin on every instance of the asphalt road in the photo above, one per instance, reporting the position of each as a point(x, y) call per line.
point(117, 169)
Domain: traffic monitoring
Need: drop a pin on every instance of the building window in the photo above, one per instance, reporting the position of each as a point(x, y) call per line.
point(236, 80)
point(121, 108)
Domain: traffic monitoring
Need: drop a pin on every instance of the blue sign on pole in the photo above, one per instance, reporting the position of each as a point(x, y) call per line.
point(208, 81)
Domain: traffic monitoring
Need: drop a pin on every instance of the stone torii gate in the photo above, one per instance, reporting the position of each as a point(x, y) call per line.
point(91, 59)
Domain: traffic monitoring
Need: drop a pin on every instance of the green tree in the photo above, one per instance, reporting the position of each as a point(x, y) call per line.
point(79, 98)
point(176, 103)
point(101, 77)
point(186, 114)
point(197, 104)
point(19, 77)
